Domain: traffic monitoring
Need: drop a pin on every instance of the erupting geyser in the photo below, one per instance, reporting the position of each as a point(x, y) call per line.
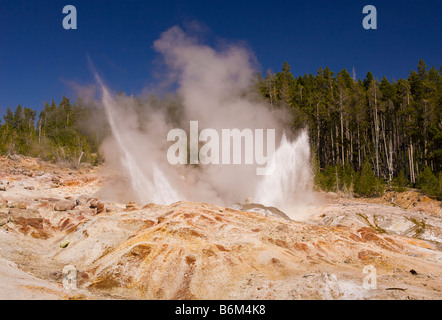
point(289, 186)
point(156, 189)
point(214, 89)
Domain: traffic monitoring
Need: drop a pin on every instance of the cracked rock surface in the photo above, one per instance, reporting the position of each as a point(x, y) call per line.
point(52, 217)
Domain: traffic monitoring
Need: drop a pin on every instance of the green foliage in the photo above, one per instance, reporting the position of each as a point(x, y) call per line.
point(56, 136)
point(348, 178)
point(336, 178)
point(327, 179)
point(395, 126)
point(400, 182)
point(367, 184)
point(316, 168)
point(429, 183)
point(373, 225)
point(363, 132)
point(440, 184)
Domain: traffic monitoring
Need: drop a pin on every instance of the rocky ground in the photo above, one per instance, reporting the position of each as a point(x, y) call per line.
point(52, 217)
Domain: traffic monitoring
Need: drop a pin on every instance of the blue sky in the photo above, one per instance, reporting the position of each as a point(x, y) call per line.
point(39, 60)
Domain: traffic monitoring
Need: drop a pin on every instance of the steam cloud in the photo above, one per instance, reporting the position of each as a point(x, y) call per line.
point(214, 88)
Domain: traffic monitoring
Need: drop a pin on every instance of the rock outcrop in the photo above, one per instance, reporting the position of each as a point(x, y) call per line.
point(190, 250)
point(64, 205)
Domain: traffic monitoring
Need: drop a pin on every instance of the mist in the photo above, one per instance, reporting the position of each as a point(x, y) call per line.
point(214, 87)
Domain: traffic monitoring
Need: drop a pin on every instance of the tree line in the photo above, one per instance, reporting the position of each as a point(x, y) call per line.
point(365, 134)
point(58, 135)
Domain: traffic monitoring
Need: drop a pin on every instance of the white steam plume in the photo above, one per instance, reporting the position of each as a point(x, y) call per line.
point(214, 87)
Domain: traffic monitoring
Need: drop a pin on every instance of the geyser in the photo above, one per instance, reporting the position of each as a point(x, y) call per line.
point(289, 187)
point(156, 189)
point(213, 89)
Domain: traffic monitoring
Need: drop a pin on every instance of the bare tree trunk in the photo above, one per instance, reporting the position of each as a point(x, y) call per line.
point(342, 125)
point(391, 159)
point(425, 133)
point(397, 146)
point(318, 137)
point(337, 144)
point(337, 179)
point(416, 167)
point(351, 148)
point(376, 120)
point(39, 132)
point(359, 149)
point(411, 161)
point(388, 155)
point(81, 155)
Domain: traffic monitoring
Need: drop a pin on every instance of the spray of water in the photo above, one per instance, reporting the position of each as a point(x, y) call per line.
point(213, 87)
point(289, 186)
point(159, 191)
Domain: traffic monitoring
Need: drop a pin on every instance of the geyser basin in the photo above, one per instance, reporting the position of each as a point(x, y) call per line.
point(289, 187)
point(213, 90)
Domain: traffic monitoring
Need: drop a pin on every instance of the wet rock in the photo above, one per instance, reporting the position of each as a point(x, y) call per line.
point(64, 205)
